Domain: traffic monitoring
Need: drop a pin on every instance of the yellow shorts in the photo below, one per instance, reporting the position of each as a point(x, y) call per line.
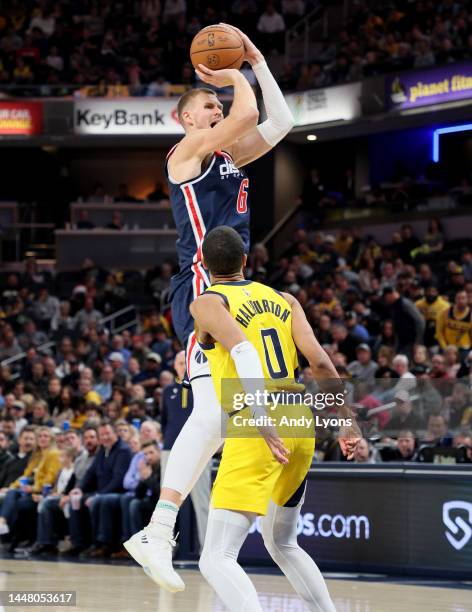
point(249, 476)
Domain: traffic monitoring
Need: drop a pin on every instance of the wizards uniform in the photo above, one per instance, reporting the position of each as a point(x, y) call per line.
point(249, 476)
point(217, 196)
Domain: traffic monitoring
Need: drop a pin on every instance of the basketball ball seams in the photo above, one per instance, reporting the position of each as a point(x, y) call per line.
point(217, 47)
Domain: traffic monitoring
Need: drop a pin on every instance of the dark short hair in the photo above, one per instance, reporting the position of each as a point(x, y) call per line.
point(149, 443)
point(223, 250)
point(107, 423)
point(190, 95)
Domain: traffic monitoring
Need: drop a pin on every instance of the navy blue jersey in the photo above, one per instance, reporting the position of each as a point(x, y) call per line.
point(217, 196)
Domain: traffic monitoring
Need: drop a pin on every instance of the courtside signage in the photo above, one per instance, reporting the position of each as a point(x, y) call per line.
point(340, 103)
point(21, 118)
point(435, 86)
point(126, 116)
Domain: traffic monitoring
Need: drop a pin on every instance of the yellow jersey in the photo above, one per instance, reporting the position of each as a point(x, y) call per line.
point(432, 311)
point(451, 330)
point(265, 317)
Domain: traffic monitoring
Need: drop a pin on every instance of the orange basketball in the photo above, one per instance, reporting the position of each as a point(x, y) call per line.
point(217, 47)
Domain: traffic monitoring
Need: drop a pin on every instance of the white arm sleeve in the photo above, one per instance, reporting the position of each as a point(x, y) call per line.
point(279, 120)
point(250, 372)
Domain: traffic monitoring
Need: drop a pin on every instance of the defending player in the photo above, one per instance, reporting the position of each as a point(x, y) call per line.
point(248, 331)
point(207, 189)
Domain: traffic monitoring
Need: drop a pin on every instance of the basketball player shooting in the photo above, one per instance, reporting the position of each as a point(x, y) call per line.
point(208, 188)
point(250, 481)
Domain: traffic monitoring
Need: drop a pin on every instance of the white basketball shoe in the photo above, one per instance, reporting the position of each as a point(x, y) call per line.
point(152, 549)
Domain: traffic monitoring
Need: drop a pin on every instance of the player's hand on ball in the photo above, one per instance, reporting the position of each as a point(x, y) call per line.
point(217, 78)
point(251, 52)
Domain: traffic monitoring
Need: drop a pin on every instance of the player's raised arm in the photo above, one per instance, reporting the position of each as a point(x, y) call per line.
point(323, 371)
point(242, 117)
point(279, 120)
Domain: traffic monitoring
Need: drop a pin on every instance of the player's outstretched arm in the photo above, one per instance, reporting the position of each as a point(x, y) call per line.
point(279, 120)
point(242, 117)
point(324, 372)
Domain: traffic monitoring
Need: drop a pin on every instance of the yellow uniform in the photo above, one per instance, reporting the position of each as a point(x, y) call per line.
point(248, 476)
point(432, 311)
point(455, 331)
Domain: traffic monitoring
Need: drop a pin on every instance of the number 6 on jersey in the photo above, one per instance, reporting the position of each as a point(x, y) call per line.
point(241, 206)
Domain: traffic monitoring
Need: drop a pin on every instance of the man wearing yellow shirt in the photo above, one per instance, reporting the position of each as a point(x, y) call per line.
point(454, 326)
point(431, 306)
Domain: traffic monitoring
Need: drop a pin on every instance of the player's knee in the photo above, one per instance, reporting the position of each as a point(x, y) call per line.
point(269, 536)
point(275, 538)
point(206, 564)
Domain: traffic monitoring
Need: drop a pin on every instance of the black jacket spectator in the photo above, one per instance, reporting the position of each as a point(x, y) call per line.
point(151, 487)
point(106, 473)
point(13, 469)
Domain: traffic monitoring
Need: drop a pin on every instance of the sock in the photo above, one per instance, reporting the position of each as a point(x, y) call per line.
point(165, 515)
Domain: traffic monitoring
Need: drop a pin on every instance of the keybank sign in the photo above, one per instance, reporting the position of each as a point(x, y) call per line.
point(329, 526)
point(126, 116)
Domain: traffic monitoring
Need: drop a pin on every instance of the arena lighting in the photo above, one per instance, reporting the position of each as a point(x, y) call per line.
point(447, 130)
point(312, 137)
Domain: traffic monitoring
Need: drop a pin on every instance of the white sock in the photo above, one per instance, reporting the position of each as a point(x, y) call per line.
point(164, 515)
point(199, 439)
point(225, 535)
point(279, 531)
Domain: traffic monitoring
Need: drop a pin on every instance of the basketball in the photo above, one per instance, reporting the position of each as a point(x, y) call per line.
point(217, 47)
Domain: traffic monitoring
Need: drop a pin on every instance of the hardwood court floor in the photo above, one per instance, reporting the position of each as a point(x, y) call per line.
point(125, 588)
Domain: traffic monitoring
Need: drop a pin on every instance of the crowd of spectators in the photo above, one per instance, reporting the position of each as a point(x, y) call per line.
point(141, 47)
point(81, 407)
point(381, 37)
point(396, 321)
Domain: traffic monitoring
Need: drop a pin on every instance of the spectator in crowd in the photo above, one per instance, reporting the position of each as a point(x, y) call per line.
point(436, 432)
point(104, 387)
point(363, 369)
point(364, 453)
point(403, 416)
point(431, 306)
point(124, 195)
point(47, 538)
point(42, 469)
point(105, 475)
point(404, 449)
point(148, 487)
point(88, 314)
point(45, 308)
point(408, 323)
point(271, 28)
point(31, 336)
point(16, 465)
point(5, 454)
point(454, 325)
point(149, 433)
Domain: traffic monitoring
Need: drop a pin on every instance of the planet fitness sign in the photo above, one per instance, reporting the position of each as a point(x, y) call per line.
point(436, 86)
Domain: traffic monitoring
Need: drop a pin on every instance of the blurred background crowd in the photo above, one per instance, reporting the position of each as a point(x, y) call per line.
point(141, 47)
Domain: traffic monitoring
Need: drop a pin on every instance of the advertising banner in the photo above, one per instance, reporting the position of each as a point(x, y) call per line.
point(404, 523)
point(21, 118)
point(323, 105)
point(126, 116)
point(425, 87)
